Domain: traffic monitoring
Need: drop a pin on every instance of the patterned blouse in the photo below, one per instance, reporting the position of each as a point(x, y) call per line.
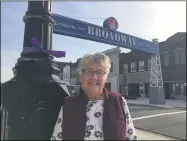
point(93, 129)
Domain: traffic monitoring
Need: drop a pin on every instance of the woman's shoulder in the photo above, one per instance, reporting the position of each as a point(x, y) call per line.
point(115, 94)
point(70, 100)
point(71, 97)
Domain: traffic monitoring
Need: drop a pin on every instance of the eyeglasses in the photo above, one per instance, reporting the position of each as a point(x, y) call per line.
point(90, 72)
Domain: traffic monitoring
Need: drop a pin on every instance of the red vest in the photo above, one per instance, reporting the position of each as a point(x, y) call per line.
point(74, 117)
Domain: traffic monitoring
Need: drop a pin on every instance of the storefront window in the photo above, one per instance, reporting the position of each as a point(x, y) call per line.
point(141, 90)
point(173, 88)
point(126, 90)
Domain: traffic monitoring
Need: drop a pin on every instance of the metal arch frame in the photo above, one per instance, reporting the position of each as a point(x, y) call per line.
point(143, 45)
point(156, 79)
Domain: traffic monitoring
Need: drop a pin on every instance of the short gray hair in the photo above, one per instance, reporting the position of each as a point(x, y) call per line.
point(98, 58)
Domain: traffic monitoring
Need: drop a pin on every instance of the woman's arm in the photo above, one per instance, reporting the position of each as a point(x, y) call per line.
point(57, 132)
point(130, 130)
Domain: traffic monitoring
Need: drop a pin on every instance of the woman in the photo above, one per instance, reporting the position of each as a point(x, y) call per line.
point(95, 113)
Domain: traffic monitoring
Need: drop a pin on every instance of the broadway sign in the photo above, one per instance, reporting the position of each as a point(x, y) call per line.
point(79, 29)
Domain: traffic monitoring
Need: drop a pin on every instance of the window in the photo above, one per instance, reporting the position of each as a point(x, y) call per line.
point(141, 65)
point(61, 75)
point(133, 67)
point(126, 90)
point(177, 57)
point(66, 76)
point(125, 68)
point(149, 64)
point(180, 57)
point(141, 90)
point(73, 73)
point(184, 84)
point(183, 57)
point(182, 88)
point(166, 59)
point(173, 88)
point(121, 89)
point(111, 69)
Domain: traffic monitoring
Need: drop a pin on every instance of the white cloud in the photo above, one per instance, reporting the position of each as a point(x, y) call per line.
point(146, 20)
point(9, 57)
point(170, 18)
point(8, 60)
point(6, 73)
point(134, 18)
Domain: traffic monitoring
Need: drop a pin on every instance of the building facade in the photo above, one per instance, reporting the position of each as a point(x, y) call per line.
point(112, 82)
point(56, 70)
point(135, 69)
point(130, 72)
point(173, 63)
point(134, 74)
point(68, 74)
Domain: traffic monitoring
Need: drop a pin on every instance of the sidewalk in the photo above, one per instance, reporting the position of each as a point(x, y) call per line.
point(144, 135)
point(169, 103)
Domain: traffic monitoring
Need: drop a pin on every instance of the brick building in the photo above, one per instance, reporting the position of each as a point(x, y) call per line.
point(135, 68)
point(134, 72)
point(173, 63)
point(130, 72)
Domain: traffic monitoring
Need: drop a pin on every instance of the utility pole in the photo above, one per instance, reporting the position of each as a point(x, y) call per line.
point(31, 100)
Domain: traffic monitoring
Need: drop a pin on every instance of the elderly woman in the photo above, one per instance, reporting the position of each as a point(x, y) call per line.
point(95, 113)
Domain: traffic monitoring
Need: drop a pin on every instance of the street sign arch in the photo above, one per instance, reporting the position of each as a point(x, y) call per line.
point(79, 29)
point(108, 35)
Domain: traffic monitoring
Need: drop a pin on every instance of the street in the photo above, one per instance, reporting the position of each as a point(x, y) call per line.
point(167, 122)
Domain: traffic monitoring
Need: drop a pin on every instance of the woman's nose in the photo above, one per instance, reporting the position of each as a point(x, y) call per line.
point(94, 75)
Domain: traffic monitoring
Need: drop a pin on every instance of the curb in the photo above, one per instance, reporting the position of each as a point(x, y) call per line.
point(180, 107)
point(164, 137)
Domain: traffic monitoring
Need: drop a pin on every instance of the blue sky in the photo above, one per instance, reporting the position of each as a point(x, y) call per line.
point(146, 20)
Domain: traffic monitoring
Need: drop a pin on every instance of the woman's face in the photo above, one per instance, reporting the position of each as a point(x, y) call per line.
point(93, 79)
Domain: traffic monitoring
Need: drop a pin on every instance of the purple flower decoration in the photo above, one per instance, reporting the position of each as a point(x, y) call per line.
point(36, 48)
